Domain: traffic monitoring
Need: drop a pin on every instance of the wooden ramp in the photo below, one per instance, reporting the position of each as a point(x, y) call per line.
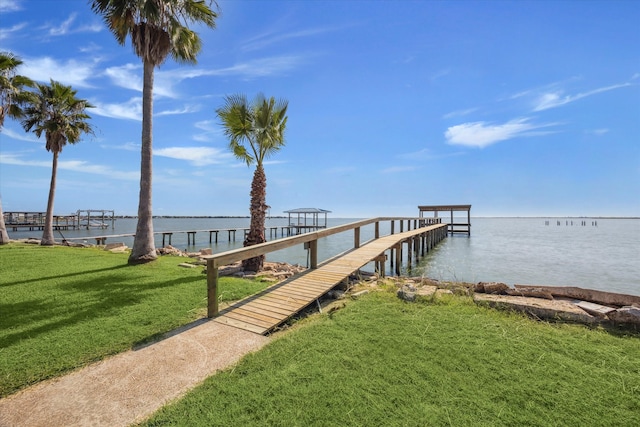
point(264, 311)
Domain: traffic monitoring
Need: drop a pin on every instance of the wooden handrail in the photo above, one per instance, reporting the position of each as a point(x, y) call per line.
point(241, 254)
point(311, 239)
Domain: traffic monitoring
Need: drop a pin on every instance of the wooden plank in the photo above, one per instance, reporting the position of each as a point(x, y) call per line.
point(286, 301)
point(274, 305)
point(283, 300)
point(267, 306)
point(296, 294)
point(258, 314)
point(309, 286)
point(248, 319)
point(240, 325)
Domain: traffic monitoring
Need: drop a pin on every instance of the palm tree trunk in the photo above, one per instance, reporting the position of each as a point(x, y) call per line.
point(4, 237)
point(258, 210)
point(47, 234)
point(144, 249)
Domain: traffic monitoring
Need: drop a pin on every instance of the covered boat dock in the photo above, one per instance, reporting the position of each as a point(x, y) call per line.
point(306, 219)
point(454, 227)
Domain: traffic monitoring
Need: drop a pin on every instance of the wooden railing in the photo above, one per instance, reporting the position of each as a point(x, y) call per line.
point(310, 242)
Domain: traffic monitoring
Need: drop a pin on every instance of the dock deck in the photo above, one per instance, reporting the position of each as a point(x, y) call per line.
point(264, 311)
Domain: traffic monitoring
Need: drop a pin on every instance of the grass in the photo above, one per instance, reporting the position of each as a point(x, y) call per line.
point(62, 308)
point(380, 361)
point(377, 361)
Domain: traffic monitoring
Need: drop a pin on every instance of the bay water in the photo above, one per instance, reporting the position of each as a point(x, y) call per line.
point(595, 253)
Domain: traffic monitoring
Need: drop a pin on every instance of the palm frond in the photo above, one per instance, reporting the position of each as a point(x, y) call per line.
point(55, 110)
point(158, 27)
point(255, 130)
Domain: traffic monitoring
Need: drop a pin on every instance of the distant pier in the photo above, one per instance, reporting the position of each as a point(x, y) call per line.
point(214, 234)
point(569, 222)
point(34, 221)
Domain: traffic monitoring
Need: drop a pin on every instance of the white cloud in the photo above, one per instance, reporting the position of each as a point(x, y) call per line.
point(206, 125)
point(459, 113)
point(556, 99)
point(127, 146)
point(72, 165)
point(131, 110)
point(262, 67)
point(5, 33)
point(66, 27)
point(63, 28)
point(184, 110)
point(255, 68)
point(128, 76)
point(10, 6)
point(482, 134)
point(209, 127)
point(198, 156)
point(21, 136)
point(72, 72)
point(264, 40)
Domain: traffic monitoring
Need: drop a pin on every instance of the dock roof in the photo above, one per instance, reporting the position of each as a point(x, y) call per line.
point(308, 210)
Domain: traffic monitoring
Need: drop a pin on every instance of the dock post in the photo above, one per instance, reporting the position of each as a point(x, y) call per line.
point(356, 237)
point(380, 264)
point(313, 254)
point(212, 288)
point(398, 249)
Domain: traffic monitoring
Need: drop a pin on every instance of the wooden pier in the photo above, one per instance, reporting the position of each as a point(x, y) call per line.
point(34, 221)
point(231, 233)
point(266, 310)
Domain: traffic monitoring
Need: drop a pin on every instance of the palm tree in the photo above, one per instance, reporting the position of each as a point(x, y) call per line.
point(255, 132)
point(157, 29)
point(55, 110)
point(11, 98)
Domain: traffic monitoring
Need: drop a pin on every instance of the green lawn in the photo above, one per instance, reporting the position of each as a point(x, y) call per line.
point(383, 362)
point(377, 361)
point(61, 307)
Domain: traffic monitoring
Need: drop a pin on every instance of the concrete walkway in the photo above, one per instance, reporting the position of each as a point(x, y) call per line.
point(130, 386)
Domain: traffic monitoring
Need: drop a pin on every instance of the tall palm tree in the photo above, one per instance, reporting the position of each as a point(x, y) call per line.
point(255, 131)
point(157, 29)
point(55, 110)
point(11, 98)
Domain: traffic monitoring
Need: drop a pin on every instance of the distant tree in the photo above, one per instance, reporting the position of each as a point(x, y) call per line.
point(157, 29)
point(12, 95)
point(255, 131)
point(55, 110)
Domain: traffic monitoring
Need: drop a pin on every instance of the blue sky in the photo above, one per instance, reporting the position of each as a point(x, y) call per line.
point(516, 107)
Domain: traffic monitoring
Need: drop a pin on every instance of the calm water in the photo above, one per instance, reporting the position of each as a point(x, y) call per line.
point(526, 251)
point(605, 256)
